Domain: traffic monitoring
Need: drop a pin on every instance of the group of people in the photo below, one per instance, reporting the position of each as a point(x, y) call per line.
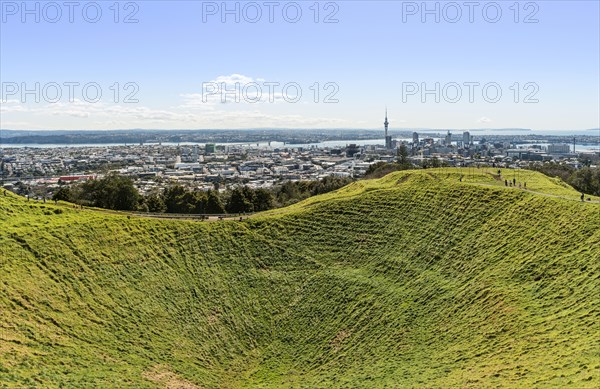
point(513, 183)
point(36, 198)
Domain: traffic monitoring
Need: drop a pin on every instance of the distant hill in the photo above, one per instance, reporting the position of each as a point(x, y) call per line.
point(431, 278)
point(12, 137)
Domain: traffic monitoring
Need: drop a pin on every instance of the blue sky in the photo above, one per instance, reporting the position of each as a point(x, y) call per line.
point(180, 53)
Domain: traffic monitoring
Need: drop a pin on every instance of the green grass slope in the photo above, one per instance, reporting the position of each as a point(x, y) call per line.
point(414, 280)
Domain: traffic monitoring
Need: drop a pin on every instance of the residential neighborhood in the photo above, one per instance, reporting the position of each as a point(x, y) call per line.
point(262, 165)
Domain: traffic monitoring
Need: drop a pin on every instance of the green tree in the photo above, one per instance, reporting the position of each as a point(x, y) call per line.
point(250, 196)
point(214, 204)
point(155, 203)
point(124, 195)
point(329, 184)
point(263, 200)
point(63, 194)
point(111, 192)
point(586, 180)
point(403, 157)
point(197, 202)
point(238, 202)
point(553, 169)
point(374, 167)
point(175, 198)
point(288, 192)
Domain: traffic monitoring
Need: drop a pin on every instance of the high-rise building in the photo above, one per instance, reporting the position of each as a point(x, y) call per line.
point(448, 138)
point(415, 138)
point(559, 148)
point(466, 139)
point(195, 153)
point(210, 148)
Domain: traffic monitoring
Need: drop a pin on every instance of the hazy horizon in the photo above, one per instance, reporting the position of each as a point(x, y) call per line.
point(302, 129)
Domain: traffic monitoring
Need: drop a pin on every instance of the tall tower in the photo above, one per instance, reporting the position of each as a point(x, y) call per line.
point(386, 123)
point(388, 139)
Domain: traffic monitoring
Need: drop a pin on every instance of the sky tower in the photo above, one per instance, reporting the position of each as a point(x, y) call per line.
point(388, 138)
point(386, 123)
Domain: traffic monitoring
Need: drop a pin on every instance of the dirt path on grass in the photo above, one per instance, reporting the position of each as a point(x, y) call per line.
point(540, 193)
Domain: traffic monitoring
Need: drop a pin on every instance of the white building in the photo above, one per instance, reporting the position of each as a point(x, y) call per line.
point(559, 148)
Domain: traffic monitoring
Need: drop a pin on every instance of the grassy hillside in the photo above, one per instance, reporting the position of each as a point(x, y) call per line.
point(414, 280)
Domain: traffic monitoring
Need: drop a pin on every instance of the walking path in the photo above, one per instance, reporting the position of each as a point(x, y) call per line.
point(538, 193)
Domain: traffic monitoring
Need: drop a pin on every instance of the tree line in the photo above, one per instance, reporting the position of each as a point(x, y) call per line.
point(585, 180)
point(118, 192)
